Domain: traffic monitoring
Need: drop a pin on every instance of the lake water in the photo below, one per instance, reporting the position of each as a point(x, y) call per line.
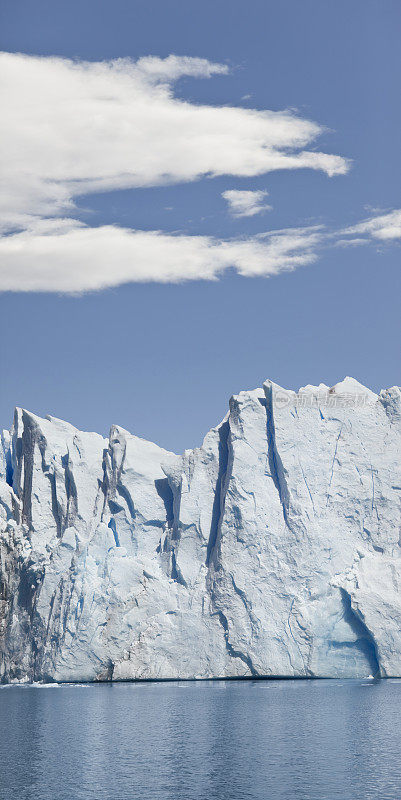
point(217, 740)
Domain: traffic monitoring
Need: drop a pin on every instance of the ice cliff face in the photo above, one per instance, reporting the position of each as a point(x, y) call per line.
point(272, 550)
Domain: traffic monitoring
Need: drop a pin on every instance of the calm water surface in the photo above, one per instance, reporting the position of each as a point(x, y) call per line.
point(234, 740)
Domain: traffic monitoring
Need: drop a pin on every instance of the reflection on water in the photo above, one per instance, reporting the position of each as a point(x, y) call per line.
point(222, 740)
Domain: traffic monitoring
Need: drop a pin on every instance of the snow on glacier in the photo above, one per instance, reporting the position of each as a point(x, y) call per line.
point(274, 549)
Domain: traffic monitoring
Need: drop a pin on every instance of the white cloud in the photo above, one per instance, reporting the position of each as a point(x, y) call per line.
point(174, 67)
point(66, 256)
point(71, 128)
point(384, 226)
point(348, 242)
point(246, 203)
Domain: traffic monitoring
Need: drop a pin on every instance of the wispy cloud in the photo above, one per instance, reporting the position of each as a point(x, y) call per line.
point(246, 203)
point(71, 128)
point(383, 226)
point(67, 256)
point(64, 255)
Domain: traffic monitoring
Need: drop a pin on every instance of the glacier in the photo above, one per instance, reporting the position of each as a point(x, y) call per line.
point(273, 550)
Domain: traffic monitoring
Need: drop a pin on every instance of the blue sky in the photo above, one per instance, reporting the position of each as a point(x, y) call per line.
point(161, 359)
